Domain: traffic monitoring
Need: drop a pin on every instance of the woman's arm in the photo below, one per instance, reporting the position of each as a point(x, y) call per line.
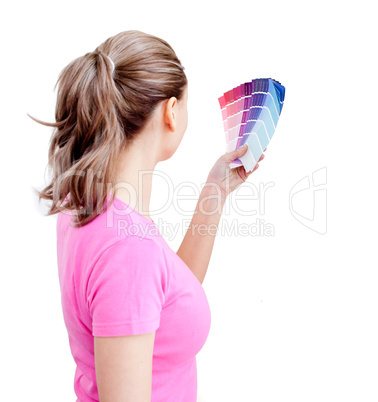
point(197, 245)
point(124, 367)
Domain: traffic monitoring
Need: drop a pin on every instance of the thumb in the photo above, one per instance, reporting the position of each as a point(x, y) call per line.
point(230, 156)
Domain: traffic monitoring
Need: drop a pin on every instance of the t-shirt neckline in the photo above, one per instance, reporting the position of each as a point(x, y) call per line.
point(127, 206)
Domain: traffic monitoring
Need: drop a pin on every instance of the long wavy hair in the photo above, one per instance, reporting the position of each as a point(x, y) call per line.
point(100, 108)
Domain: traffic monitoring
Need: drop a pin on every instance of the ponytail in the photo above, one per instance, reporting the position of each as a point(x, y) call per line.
point(104, 100)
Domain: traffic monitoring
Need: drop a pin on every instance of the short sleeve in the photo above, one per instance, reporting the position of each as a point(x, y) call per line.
point(126, 288)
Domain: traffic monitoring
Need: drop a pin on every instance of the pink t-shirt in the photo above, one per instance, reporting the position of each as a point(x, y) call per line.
point(118, 276)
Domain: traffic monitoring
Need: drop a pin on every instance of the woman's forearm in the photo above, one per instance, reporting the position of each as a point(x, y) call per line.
point(197, 245)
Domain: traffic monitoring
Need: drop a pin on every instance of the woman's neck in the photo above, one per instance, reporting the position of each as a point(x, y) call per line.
point(134, 179)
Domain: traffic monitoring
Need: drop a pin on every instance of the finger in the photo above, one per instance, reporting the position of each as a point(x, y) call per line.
point(242, 173)
point(255, 168)
point(261, 157)
point(230, 156)
point(264, 149)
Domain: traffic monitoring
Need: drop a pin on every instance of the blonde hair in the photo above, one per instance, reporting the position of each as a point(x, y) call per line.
point(99, 111)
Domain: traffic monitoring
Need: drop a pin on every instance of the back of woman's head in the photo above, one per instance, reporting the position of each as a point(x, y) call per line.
point(104, 99)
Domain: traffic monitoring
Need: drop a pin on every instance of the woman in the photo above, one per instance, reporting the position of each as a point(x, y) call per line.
point(135, 311)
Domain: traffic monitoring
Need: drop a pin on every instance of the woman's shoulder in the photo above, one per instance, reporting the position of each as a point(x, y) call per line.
point(112, 236)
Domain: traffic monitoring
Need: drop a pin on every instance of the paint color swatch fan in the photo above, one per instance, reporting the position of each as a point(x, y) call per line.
point(250, 115)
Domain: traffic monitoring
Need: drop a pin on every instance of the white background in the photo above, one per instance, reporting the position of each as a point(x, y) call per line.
point(294, 315)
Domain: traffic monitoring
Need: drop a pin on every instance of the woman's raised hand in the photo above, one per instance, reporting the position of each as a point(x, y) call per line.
point(228, 179)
